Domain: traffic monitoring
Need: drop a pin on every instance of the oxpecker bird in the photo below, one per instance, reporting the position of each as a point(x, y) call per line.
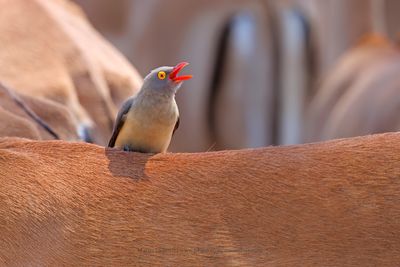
point(147, 121)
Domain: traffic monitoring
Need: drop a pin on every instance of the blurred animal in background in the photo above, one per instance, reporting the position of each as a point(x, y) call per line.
point(51, 53)
point(34, 118)
point(258, 64)
point(360, 95)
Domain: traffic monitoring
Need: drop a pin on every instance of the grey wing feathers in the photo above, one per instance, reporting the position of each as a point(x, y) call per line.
point(119, 122)
point(176, 125)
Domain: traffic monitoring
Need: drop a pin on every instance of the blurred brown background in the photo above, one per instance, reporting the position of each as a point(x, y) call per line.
point(258, 65)
point(266, 72)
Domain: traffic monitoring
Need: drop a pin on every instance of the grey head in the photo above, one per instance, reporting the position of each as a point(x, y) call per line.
point(165, 80)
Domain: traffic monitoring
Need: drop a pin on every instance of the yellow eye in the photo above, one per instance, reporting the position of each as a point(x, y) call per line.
point(161, 75)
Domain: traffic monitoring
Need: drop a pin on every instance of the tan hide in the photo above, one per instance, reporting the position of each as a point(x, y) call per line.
point(75, 204)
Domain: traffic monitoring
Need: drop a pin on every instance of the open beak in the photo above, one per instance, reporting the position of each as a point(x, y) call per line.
point(173, 75)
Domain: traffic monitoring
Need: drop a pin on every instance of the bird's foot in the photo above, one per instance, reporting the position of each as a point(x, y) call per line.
point(127, 148)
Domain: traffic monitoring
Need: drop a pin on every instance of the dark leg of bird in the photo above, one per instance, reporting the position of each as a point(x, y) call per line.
point(127, 148)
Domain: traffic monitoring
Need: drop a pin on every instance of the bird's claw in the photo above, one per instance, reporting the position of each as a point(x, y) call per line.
point(127, 148)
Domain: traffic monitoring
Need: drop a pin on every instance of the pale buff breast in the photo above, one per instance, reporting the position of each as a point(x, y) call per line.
point(149, 131)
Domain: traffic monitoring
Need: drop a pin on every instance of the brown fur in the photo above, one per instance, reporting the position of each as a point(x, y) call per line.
point(327, 204)
point(56, 116)
point(14, 125)
point(51, 51)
